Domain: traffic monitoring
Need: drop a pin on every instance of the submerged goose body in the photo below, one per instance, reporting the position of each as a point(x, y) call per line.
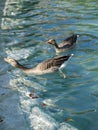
point(47, 66)
point(65, 45)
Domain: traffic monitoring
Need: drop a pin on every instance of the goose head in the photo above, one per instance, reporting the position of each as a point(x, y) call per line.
point(11, 61)
point(52, 41)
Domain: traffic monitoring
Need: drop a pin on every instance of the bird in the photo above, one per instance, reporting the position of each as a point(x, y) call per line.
point(48, 66)
point(65, 45)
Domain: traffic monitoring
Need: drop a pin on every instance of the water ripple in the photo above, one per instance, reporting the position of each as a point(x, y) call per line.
point(25, 28)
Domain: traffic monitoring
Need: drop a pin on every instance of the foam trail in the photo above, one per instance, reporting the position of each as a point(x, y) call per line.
point(41, 120)
point(37, 118)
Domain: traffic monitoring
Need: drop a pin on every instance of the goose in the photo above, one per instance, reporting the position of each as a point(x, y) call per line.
point(65, 45)
point(48, 66)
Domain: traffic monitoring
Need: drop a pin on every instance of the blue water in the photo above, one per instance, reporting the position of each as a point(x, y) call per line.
point(61, 103)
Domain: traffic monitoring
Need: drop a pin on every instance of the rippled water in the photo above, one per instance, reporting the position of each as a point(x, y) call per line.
point(60, 103)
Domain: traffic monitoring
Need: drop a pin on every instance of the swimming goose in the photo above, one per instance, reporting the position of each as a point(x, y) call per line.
point(47, 66)
point(67, 44)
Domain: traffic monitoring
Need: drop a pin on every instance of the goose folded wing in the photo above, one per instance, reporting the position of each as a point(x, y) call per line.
point(68, 41)
point(55, 62)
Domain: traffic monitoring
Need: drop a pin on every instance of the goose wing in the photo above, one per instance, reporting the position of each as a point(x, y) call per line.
point(69, 41)
point(57, 62)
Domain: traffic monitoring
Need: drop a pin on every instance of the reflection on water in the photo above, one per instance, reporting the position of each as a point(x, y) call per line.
point(26, 26)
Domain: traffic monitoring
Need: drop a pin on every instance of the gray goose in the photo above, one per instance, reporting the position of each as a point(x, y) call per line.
point(48, 66)
point(65, 45)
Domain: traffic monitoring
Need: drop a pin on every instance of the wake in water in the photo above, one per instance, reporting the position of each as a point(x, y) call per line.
point(36, 117)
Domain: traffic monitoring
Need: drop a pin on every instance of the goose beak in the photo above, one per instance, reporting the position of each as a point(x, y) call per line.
point(6, 59)
point(48, 42)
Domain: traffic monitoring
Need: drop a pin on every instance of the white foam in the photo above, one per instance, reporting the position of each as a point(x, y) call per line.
point(37, 118)
point(72, 54)
point(43, 121)
point(19, 54)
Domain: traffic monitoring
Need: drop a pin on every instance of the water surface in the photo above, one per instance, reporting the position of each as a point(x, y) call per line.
point(62, 103)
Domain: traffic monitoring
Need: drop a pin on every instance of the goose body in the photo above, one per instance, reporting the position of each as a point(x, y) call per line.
point(65, 45)
point(47, 66)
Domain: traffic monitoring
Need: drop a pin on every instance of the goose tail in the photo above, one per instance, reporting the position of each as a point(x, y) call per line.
point(65, 63)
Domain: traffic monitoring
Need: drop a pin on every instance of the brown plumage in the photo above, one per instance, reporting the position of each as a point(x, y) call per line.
point(54, 62)
point(65, 45)
point(47, 66)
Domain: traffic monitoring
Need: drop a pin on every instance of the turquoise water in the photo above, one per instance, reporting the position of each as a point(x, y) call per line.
point(72, 102)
